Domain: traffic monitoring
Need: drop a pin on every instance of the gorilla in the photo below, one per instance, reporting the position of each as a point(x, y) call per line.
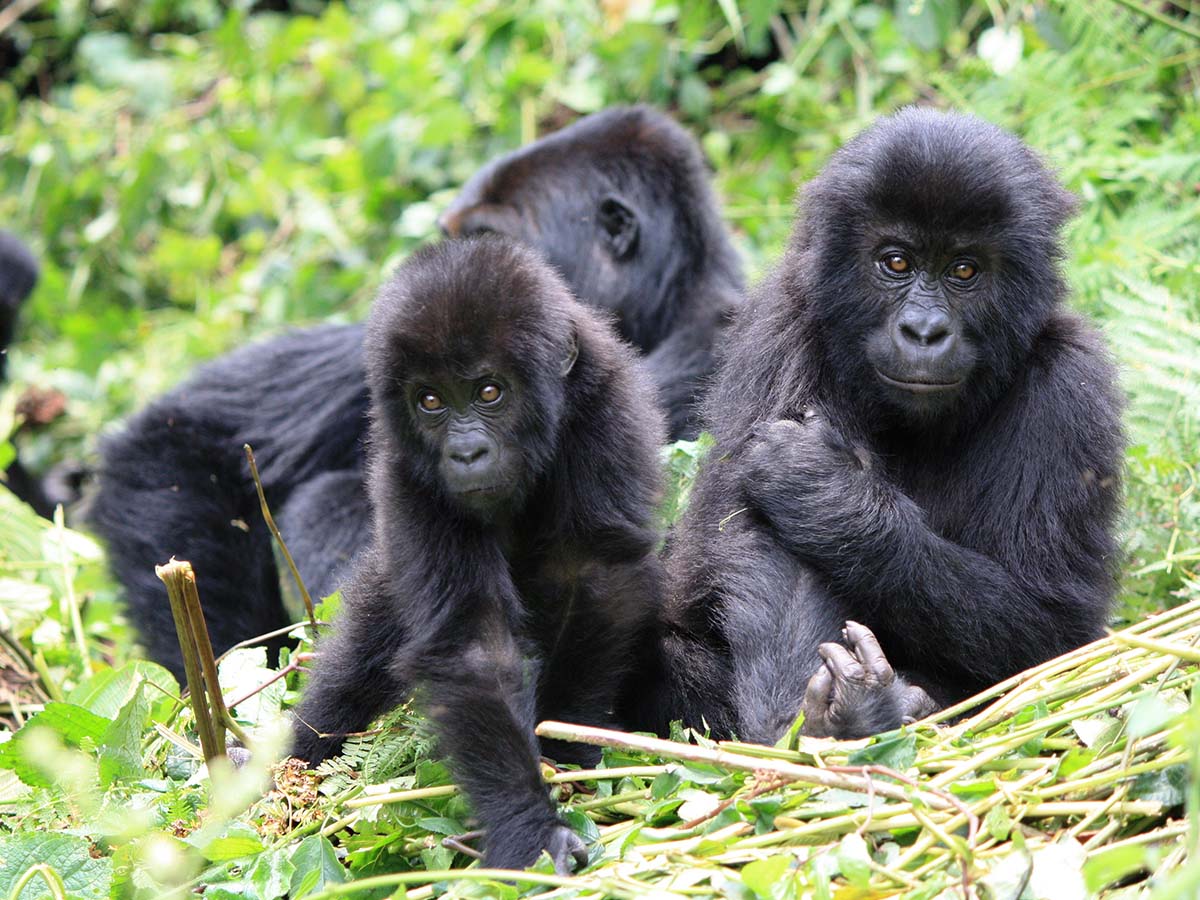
point(640, 234)
point(619, 201)
point(18, 276)
point(918, 451)
point(512, 574)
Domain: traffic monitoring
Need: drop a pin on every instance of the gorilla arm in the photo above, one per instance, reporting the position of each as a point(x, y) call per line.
point(450, 639)
point(1045, 481)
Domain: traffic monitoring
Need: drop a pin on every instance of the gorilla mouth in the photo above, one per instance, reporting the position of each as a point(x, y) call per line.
point(922, 386)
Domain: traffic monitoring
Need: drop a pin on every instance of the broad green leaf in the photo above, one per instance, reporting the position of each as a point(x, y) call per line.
point(315, 866)
point(69, 856)
point(106, 692)
point(271, 875)
point(762, 875)
point(121, 748)
point(897, 752)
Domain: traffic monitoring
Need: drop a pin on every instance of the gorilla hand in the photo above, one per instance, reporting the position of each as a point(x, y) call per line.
point(809, 482)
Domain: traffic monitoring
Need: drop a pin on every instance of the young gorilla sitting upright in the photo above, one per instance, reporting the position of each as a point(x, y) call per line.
point(918, 450)
point(512, 575)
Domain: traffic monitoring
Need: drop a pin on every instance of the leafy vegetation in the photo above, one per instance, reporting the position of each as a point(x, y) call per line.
point(193, 175)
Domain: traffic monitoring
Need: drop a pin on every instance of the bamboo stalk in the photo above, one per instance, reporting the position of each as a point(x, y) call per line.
point(602, 737)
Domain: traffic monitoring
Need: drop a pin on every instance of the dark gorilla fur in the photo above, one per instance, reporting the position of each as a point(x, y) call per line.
point(18, 276)
point(512, 573)
point(619, 200)
point(641, 236)
point(960, 506)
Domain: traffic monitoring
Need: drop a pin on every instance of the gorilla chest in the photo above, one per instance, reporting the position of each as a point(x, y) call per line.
point(957, 508)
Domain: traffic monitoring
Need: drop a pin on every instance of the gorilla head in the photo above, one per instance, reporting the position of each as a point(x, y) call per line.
point(467, 363)
point(619, 202)
point(928, 249)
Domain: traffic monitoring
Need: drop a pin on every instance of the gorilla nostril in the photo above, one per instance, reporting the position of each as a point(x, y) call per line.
point(469, 455)
point(927, 330)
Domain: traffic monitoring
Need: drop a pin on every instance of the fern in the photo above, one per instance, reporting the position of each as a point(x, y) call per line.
point(1159, 350)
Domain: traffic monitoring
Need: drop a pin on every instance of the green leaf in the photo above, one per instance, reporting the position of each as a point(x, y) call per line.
point(69, 856)
point(1167, 786)
point(271, 874)
point(316, 867)
point(854, 860)
point(897, 752)
point(998, 823)
point(121, 747)
point(106, 692)
point(664, 785)
point(233, 846)
point(72, 724)
point(1149, 715)
point(762, 875)
point(1108, 865)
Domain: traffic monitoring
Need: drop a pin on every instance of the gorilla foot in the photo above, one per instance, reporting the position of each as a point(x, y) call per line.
point(856, 693)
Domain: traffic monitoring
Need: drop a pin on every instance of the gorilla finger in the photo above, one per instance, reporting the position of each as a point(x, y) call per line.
point(869, 653)
point(841, 662)
point(819, 689)
point(915, 704)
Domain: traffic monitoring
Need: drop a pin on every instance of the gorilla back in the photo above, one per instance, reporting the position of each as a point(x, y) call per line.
point(919, 450)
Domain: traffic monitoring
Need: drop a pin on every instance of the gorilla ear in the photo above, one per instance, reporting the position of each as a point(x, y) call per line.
point(569, 360)
point(620, 226)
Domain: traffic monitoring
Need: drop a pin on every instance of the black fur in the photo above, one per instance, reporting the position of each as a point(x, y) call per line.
point(174, 480)
point(18, 275)
point(620, 204)
point(966, 520)
point(530, 600)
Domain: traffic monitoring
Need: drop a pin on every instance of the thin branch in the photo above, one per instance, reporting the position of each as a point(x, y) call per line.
point(287, 555)
point(9, 16)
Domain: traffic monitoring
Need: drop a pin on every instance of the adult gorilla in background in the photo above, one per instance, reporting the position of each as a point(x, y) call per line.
point(620, 201)
point(918, 451)
point(512, 574)
point(639, 234)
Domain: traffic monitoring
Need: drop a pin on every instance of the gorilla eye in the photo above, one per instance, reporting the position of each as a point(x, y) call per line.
point(489, 393)
point(896, 263)
point(430, 402)
point(963, 271)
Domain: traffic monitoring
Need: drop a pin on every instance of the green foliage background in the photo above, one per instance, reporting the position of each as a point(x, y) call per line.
point(197, 174)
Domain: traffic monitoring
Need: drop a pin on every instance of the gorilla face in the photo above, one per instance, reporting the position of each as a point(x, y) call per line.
point(921, 350)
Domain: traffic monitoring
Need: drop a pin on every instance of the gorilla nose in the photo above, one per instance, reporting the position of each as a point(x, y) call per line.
point(925, 327)
point(468, 451)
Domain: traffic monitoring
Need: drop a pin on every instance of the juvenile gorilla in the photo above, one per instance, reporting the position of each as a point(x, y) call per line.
point(512, 574)
point(918, 450)
point(620, 201)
